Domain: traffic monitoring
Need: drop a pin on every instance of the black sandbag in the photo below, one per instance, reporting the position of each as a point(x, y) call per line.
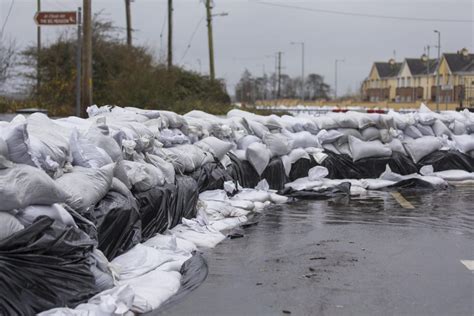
point(118, 224)
point(184, 204)
point(341, 166)
point(374, 167)
point(301, 167)
point(211, 176)
point(447, 160)
point(275, 174)
point(343, 189)
point(154, 205)
point(243, 172)
point(45, 266)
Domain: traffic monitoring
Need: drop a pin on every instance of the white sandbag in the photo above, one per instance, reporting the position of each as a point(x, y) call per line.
point(57, 212)
point(303, 139)
point(361, 149)
point(143, 176)
point(412, 131)
point(138, 261)
point(304, 184)
point(278, 199)
point(85, 186)
point(22, 185)
point(345, 120)
point(458, 128)
point(317, 173)
point(218, 148)
point(258, 156)
point(440, 129)
point(104, 142)
point(326, 122)
point(172, 137)
point(256, 128)
point(213, 195)
point(9, 225)
point(252, 195)
point(243, 204)
point(228, 223)
point(17, 141)
point(396, 145)
point(421, 147)
point(376, 184)
point(246, 141)
point(201, 236)
point(464, 143)
point(172, 120)
point(344, 149)
point(370, 134)
point(86, 154)
point(385, 136)
point(171, 242)
point(328, 137)
point(3, 148)
point(153, 289)
point(278, 144)
point(425, 116)
point(166, 167)
point(448, 175)
point(292, 157)
point(425, 130)
point(345, 135)
point(189, 157)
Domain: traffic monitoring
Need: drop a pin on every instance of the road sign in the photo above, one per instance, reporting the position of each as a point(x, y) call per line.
point(56, 18)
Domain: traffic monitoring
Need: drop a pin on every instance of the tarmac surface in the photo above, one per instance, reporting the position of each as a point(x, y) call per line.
point(366, 256)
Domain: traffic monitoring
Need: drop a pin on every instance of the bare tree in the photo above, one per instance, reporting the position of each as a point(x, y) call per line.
point(7, 59)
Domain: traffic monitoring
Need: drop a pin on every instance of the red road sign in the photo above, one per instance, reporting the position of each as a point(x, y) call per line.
point(56, 18)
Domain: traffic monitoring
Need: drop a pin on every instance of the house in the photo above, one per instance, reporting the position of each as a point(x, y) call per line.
point(415, 79)
point(456, 77)
point(381, 83)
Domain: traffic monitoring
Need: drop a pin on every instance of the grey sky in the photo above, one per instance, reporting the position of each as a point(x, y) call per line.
point(253, 31)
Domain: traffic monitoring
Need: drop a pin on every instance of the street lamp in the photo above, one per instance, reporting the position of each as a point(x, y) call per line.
point(302, 67)
point(437, 71)
point(335, 76)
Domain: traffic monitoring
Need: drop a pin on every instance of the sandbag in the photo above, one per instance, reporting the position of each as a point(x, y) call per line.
point(397, 146)
point(341, 167)
point(9, 225)
point(278, 144)
point(166, 167)
point(243, 172)
point(440, 129)
point(328, 137)
point(218, 148)
point(56, 212)
point(143, 176)
point(86, 154)
point(53, 258)
point(211, 176)
point(370, 134)
point(425, 130)
point(169, 137)
point(303, 139)
point(118, 224)
point(105, 142)
point(258, 156)
point(413, 132)
point(86, 186)
point(421, 147)
point(464, 143)
point(346, 132)
point(361, 149)
point(246, 141)
point(22, 185)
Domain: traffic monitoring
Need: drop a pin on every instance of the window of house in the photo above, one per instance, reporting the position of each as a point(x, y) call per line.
point(403, 82)
point(408, 82)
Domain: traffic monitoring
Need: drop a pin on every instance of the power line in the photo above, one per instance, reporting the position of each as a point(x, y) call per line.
point(388, 17)
point(7, 17)
point(192, 37)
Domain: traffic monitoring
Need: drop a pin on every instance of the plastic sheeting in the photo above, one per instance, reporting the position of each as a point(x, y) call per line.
point(210, 176)
point(446, 160)
point(184, 204)
point(54, 259)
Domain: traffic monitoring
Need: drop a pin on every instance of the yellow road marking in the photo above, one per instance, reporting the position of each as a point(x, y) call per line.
point(401, 200)
point(469, 264)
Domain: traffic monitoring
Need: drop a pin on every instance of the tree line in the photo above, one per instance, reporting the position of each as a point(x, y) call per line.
point(250, 89)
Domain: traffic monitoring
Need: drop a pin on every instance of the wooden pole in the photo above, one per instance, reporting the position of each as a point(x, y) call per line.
point(87, 58)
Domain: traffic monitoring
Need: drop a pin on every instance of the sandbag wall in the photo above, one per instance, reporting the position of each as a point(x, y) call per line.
point(73, 190)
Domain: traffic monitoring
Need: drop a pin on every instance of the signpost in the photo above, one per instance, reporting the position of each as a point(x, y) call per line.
point(56, 18)
point(66, 18)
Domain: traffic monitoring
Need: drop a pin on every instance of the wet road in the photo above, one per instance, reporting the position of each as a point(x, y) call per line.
point(368, 256)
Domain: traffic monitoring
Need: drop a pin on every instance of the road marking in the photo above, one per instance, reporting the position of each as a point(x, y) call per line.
point(469, 264)
point(401, 200)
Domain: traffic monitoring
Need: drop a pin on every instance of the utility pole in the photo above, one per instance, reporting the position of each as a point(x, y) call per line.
point(212, 73)
point(87, 57)
point(279, 75)
point(437, 71)
point(78, 62)
point(38, 52)
point(170, 34)
point(128, 17)
point(335, 76)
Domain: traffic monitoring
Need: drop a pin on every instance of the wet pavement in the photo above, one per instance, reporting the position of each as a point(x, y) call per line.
point(366, 256)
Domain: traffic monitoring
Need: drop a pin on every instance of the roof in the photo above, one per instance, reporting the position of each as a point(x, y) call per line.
point(387, 70)
point(418, 66)
point(460, 63)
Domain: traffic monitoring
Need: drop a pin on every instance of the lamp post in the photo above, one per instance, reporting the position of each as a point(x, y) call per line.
point(302, 67)
point(335, 76)
point(437, 71)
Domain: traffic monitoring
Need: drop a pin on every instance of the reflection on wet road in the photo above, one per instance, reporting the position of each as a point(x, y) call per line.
point(363, 256)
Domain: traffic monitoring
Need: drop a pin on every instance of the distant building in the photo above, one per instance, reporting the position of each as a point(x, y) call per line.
point(382, 80)
point(415, 79)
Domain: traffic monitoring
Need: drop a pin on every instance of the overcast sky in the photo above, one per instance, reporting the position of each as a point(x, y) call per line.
point(252, 32)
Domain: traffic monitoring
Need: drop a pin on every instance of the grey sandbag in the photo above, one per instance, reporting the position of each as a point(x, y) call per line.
point(9, 225)
point(22, 185)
